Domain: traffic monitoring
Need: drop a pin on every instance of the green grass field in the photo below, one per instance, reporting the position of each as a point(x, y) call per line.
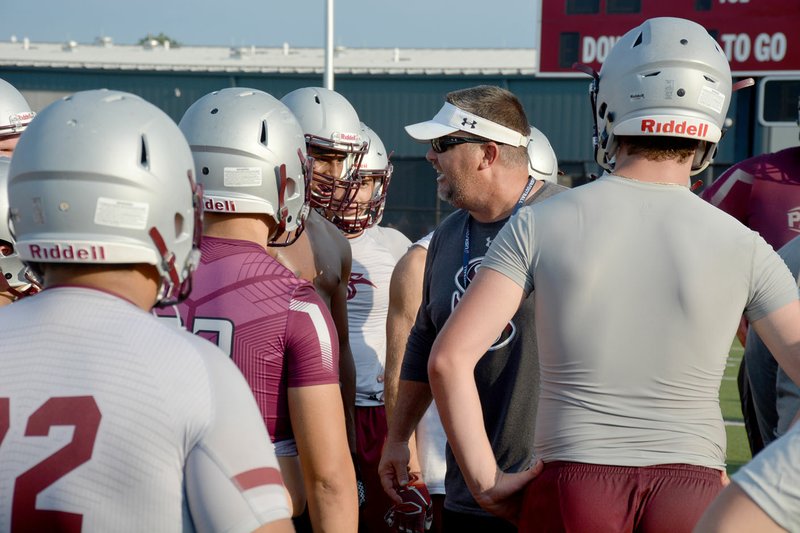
point(738, 448)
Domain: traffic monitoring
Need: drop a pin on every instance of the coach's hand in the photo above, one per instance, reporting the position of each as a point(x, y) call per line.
point(393, 468)
point(504, 499)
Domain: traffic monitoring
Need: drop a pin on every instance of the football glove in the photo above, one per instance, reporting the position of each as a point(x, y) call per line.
point(415, 513)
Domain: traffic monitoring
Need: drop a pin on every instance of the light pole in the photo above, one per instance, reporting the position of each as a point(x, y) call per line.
point(328, 76)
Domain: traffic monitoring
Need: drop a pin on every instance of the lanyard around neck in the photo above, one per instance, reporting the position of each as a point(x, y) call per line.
point(520, 203)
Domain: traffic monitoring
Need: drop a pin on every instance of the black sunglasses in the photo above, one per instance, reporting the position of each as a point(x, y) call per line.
point(441, 144)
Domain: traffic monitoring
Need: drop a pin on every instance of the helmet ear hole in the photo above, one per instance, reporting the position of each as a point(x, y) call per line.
point(6, 248)
point(143, 157)
point(291, 188)
point(263, 138)
point(179, 224)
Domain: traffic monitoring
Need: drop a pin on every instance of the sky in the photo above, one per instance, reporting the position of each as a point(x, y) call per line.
point(301, 23)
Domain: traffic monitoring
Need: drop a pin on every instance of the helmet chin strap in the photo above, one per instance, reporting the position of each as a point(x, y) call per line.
point(170, 279)
point(288, 237)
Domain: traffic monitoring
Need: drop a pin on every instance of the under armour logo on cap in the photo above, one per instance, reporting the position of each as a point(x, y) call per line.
point(450, 119)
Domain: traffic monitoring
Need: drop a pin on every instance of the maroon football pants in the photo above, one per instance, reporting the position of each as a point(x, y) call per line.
point(581, 497)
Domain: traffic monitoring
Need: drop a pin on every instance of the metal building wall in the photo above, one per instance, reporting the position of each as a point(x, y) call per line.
point(558, 107)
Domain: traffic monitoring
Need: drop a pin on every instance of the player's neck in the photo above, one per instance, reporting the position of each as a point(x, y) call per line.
point(352, 235)
point(137, 284)
point(319, 222)
point(246, 227)
point(668, 172)
point(317, 217)
point(501, 202)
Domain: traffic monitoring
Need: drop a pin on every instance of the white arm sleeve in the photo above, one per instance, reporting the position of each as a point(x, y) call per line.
point(232, 478)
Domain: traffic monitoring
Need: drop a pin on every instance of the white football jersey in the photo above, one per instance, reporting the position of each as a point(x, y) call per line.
point(111, 420)
point(375, 253)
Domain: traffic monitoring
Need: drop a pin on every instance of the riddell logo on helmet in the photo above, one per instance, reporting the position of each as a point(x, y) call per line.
point(682, 128)
point(353, 138)
point(226, 206)
point(69, 253)
point(21, 118)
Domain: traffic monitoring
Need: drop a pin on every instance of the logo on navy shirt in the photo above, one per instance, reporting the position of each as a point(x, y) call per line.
point(356, 278)
point(509, 332)
point(793, 219)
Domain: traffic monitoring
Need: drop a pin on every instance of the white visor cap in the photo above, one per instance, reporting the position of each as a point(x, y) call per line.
point(450, 119)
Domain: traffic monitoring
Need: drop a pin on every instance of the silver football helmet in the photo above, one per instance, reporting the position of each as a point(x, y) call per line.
point(331, 125)
point(104, 177)
point(542, 162)
point(666, 77)
point(374, 171)
point(14, 277)
point(15, 113)
point(250, 157)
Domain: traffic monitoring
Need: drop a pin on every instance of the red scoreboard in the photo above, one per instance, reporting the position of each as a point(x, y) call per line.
point(759, 36)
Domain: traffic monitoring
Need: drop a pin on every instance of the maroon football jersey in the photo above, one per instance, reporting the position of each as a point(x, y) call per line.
point(275, 327)
point(763, 193)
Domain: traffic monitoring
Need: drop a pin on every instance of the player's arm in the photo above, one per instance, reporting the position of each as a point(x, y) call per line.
point(232, 478)
point(397, 460)
point(488, 305)
point(280, 526)
point(317, 415)
point(780, 332)
point(318, 422)
point(733, 511)
point(731, 192)
point(405, 296)
point(412, 398)
point(347, 365)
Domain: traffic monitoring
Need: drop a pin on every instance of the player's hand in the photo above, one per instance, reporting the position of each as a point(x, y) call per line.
point(415, 513)
point(504, 499)
point(393, 468)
